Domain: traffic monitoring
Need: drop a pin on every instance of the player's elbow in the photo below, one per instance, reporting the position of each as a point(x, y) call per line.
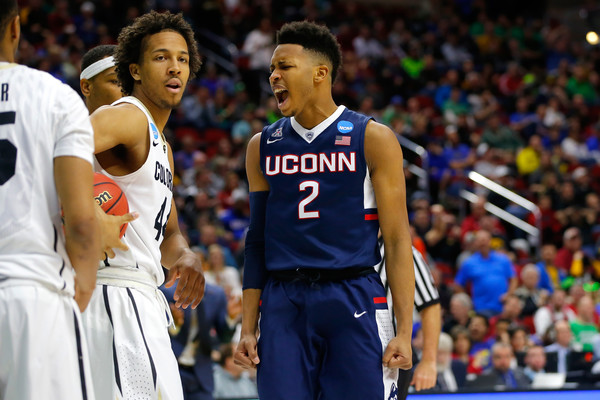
point(82, 229)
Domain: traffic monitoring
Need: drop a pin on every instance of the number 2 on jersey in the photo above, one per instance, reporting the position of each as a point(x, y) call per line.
point(158, 222)
point(302, 213)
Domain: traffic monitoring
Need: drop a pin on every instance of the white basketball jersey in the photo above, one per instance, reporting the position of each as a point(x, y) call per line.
point(40, 119)
point(149, 192)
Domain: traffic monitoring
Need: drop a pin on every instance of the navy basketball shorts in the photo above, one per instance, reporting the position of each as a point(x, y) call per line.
point(325, 340)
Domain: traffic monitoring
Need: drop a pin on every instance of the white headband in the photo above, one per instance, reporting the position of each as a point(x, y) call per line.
point(97, 67)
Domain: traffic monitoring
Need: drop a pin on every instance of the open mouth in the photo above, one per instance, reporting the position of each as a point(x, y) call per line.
point(173, 86)
point(281, 95)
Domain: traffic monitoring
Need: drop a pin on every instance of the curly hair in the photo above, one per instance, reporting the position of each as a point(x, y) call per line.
point(130, 47)
point(313, 37)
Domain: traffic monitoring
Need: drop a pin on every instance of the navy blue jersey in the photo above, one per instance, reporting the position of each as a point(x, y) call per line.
point(321, 210)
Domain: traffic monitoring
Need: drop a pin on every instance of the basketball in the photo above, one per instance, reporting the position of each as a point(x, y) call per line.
point(110, 197)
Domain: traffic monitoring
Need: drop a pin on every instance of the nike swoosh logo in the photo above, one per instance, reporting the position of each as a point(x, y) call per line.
point(357, 315)
point(269, 141)
point(154, 144)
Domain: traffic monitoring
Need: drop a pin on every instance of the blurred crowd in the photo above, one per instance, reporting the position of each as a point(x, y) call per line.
point(512, 96)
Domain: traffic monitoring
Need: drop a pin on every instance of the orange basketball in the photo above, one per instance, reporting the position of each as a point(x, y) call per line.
point(110, 197)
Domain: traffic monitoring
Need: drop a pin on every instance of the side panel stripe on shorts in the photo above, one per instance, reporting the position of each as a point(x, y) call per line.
point(137, 315)
point(80, 357)
point(115, 360)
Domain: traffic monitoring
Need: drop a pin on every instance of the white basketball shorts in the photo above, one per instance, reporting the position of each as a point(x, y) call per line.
point(43, 352)
point(130, 349)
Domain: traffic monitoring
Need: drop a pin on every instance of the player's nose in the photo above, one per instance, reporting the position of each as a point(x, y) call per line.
point(174, 67)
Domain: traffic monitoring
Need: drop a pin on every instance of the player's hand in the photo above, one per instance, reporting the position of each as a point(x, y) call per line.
point(84, 288)
point(398, 354)
point(246, 355)
point(425, 375)
point(190, 289)
point(110, 227)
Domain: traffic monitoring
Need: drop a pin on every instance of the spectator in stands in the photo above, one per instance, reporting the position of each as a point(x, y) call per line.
point(461, 308)
point(479, 353)
point(511, 310)
point(218, 273)
point(258, 46)
point(461, 344)
point(501, 373)
point(529, 158)
point(561, 345)
point(556, 310)
point(550, 275)
point(443, 239)
point(231, 380)
point(501, 137)
point(535, 362)
point(491, 275)
point(471, 223)
point(519, 340)
point(529, 292)
point(452, 373)
point(584, 327)
point(209, 235)
point(571, 256)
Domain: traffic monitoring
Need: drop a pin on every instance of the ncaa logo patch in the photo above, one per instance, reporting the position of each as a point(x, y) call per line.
point(345, 126)
point(154, 130)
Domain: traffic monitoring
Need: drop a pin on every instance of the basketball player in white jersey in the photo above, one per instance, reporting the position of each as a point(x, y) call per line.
point(46, 147)
point(98, 79)
point(128, 316)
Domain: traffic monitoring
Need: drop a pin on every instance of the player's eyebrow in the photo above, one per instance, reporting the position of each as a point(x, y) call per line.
point(162, 50)
point(278, 62)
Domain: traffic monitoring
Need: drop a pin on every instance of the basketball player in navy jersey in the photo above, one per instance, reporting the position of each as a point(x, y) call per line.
point(128, 316)
point(323, 180)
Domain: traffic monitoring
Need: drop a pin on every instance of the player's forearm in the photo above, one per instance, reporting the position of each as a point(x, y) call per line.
point(401, 278)
point(172, 248)
point(250, 305)
point(83, 248)
point(432, 325)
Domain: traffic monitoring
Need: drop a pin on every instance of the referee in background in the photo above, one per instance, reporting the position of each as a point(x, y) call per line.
point(427, 303)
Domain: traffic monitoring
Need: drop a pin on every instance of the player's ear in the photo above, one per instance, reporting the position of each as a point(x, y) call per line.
point(134, 70)
point(15, 30)
point(321, 73)
point(85, 87)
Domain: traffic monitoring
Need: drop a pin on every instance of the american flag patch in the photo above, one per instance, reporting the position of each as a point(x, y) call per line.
point(342, 140)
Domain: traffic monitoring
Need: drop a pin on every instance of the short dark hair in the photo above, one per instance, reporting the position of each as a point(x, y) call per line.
point(8, 10)
point(96, 54)
point(313, 37)
point(129, 49)
point(483, 317)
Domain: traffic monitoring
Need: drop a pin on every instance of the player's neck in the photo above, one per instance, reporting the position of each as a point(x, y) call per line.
point(315, 112)
point(6, 54)
point(159, 114)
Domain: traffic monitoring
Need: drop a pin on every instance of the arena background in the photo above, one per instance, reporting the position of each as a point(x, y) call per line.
point(480, 93)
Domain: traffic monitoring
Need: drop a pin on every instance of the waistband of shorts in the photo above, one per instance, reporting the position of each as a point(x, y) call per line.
point(321, 275)
point(135, 279)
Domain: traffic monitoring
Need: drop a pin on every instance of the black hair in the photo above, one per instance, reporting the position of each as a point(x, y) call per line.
point(96, 54)
point(8, 10)
point(313, 37)
point(131, 38)
point(482, 316)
